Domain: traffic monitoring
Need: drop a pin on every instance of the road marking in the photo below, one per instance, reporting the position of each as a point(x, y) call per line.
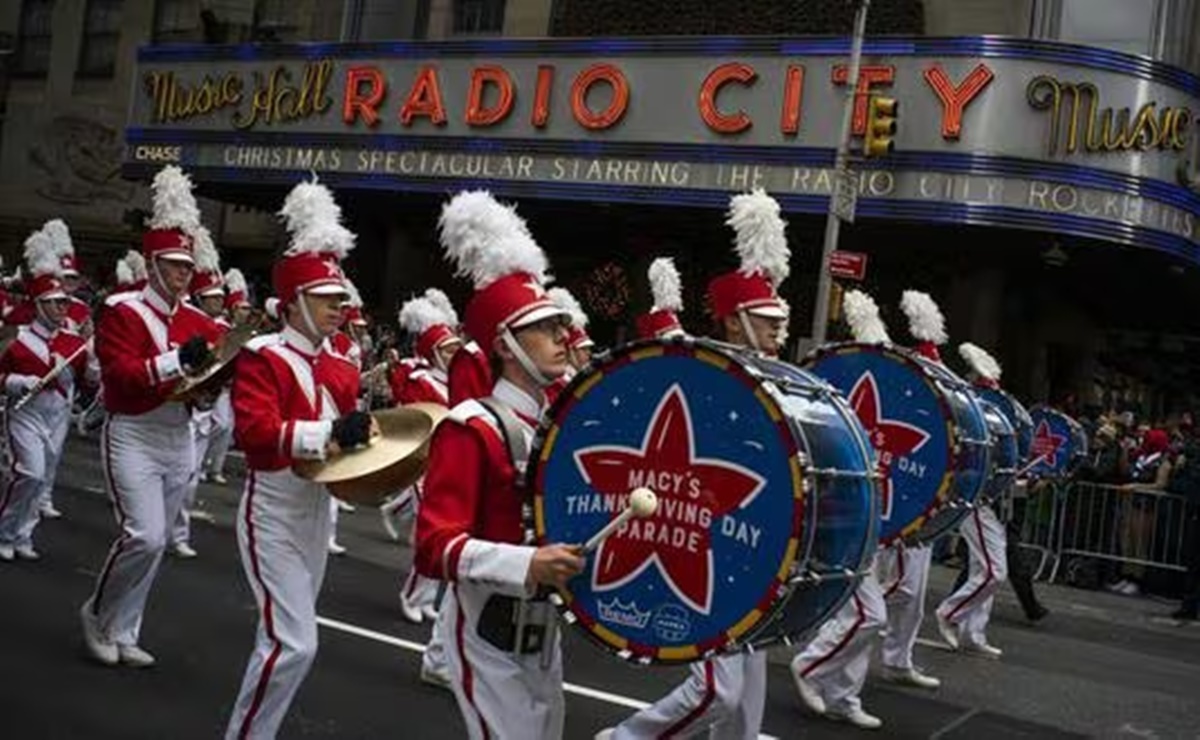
point(935, 644)
point(418, 647)
point(955, 723)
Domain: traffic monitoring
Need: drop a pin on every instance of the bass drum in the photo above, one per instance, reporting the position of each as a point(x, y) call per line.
point(1059, 444)
point(927, 428)
point(1017, 415)
point(1004, 460)
point(760, 470)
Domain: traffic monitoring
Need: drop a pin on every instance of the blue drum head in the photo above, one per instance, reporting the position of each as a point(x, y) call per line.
point(1017, 416)
point(690, 422)
point(1058, 443)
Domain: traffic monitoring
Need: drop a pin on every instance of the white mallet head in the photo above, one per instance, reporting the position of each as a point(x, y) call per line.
point(643, 502)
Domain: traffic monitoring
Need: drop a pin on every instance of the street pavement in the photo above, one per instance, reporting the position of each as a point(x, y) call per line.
point(1101, 665)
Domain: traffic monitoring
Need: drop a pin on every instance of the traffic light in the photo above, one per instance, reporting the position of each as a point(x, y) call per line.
point(881, 126)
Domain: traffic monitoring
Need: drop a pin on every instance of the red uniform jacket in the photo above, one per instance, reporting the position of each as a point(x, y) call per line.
point(37, 350)
point(470, 524)
point(343, 345)
point(421, 384)
point(470, 374)
point(25, 312)
point(286, 392)
point(137, 343)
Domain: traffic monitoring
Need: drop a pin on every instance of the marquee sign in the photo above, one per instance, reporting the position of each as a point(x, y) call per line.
point(1023, 133)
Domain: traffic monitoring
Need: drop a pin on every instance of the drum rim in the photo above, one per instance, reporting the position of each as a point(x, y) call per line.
point(776, 595)
point(944, 496)
point(1077, 430)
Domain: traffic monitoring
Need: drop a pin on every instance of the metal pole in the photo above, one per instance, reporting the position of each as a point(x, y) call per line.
point(832, 222)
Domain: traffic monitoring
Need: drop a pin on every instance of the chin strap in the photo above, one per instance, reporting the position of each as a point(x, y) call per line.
point(748, 329)
point(522, 356)
point(306, 315)
point(45, 320)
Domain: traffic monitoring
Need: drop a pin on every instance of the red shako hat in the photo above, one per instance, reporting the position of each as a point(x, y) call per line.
point(762, 247)
point(43, 282)
point(175, 217)
point(577, 336)
point(862, 314)
point(64, 248)
point(662, 321)
point(925, 322)
point(236, 293)
point(312, 263)
point(431, 320)
point(207, 279)
point(354, 305)
point(492, 245)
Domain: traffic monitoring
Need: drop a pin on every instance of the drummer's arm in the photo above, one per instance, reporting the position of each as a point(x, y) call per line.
point(123, 364)
point(259, 427)
point(454, 494)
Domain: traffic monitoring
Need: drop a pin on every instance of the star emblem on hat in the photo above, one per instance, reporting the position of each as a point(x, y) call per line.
point(536, 288)
point(1046, 444)
point(677, 540)
point(186, 241)
point(891, 438)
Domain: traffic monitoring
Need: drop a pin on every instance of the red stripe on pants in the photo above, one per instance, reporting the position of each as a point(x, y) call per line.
point(859, 618)
point(468, 679)
point(260, 691)
point(987, 561)
point(710, 692)
point(119, 545)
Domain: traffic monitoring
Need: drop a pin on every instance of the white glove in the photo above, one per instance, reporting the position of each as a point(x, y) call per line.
point(19, 385)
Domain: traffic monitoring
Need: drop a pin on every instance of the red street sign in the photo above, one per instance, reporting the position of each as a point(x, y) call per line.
point(849, 265)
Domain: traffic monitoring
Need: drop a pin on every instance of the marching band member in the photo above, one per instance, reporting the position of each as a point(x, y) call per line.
point(208, 295)
point(829, 672)
point(436, 342)
point(347, 344)
point(579, 344)
point(236, 314)
point(725, 696)
point(145, 345)
point(35, 432)
point(963, 616)
point(506, 661)
point(79, 314)
point(293, 400)
point(903, 568)
point(662, 320)
point(132, 278)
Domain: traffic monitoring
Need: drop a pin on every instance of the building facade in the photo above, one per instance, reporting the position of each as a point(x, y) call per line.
point(1074, 261)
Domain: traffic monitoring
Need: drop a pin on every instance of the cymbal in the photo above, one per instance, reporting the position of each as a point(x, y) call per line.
point(393, 460)
point(218, 371)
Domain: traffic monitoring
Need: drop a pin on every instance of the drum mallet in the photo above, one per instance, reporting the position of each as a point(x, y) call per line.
point(642, 503)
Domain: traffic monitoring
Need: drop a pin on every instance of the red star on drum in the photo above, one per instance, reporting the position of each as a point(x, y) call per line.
point(694, 493)
point(1046, 444)
point(891, 438)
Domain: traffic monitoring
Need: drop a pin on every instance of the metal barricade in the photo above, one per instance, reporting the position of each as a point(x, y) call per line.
point(1033, 515)
point(1138, 527)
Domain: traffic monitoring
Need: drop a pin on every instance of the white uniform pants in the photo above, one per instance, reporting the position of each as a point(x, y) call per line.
point(56, 440)
point(435, 660)
point(222, 436)
point(147, 463)
point(837, 659)
point(904, 575)
point(33, 440)
point(201, 425)
point(970, 606)
point(283, 534)
point(417, 590)
point(502, 696)
point(722, 698)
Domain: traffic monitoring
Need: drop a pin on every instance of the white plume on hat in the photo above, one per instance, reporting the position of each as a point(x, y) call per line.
point(353, 297)
point(137, 264)
point(60, 236)
point(271, 308)
point(487, 240)
point(124, 273)
point(761, 243)
point(862, 314)
point(665, 285)
point(562, 298)
point(925, 320)
point(785, 325)
point(442, 301)
point(235, 281)
point(40, 255)
point(421, 313)
point(204, 251)
point(980, 361)
point(174, 205)
point(314, 219)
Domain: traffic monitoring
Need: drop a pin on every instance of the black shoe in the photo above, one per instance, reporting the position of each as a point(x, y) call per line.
point(1037, 615)
point(1184, 615)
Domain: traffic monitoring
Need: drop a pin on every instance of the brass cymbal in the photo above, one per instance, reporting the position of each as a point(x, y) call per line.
point(218, 371)
point(393, 461)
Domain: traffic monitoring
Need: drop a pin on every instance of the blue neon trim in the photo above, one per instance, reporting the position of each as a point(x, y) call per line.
point(992, 47)
point(958, 213)
point(950, 162)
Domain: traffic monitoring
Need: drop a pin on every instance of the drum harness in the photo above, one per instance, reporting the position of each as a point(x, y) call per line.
point(519, 626)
